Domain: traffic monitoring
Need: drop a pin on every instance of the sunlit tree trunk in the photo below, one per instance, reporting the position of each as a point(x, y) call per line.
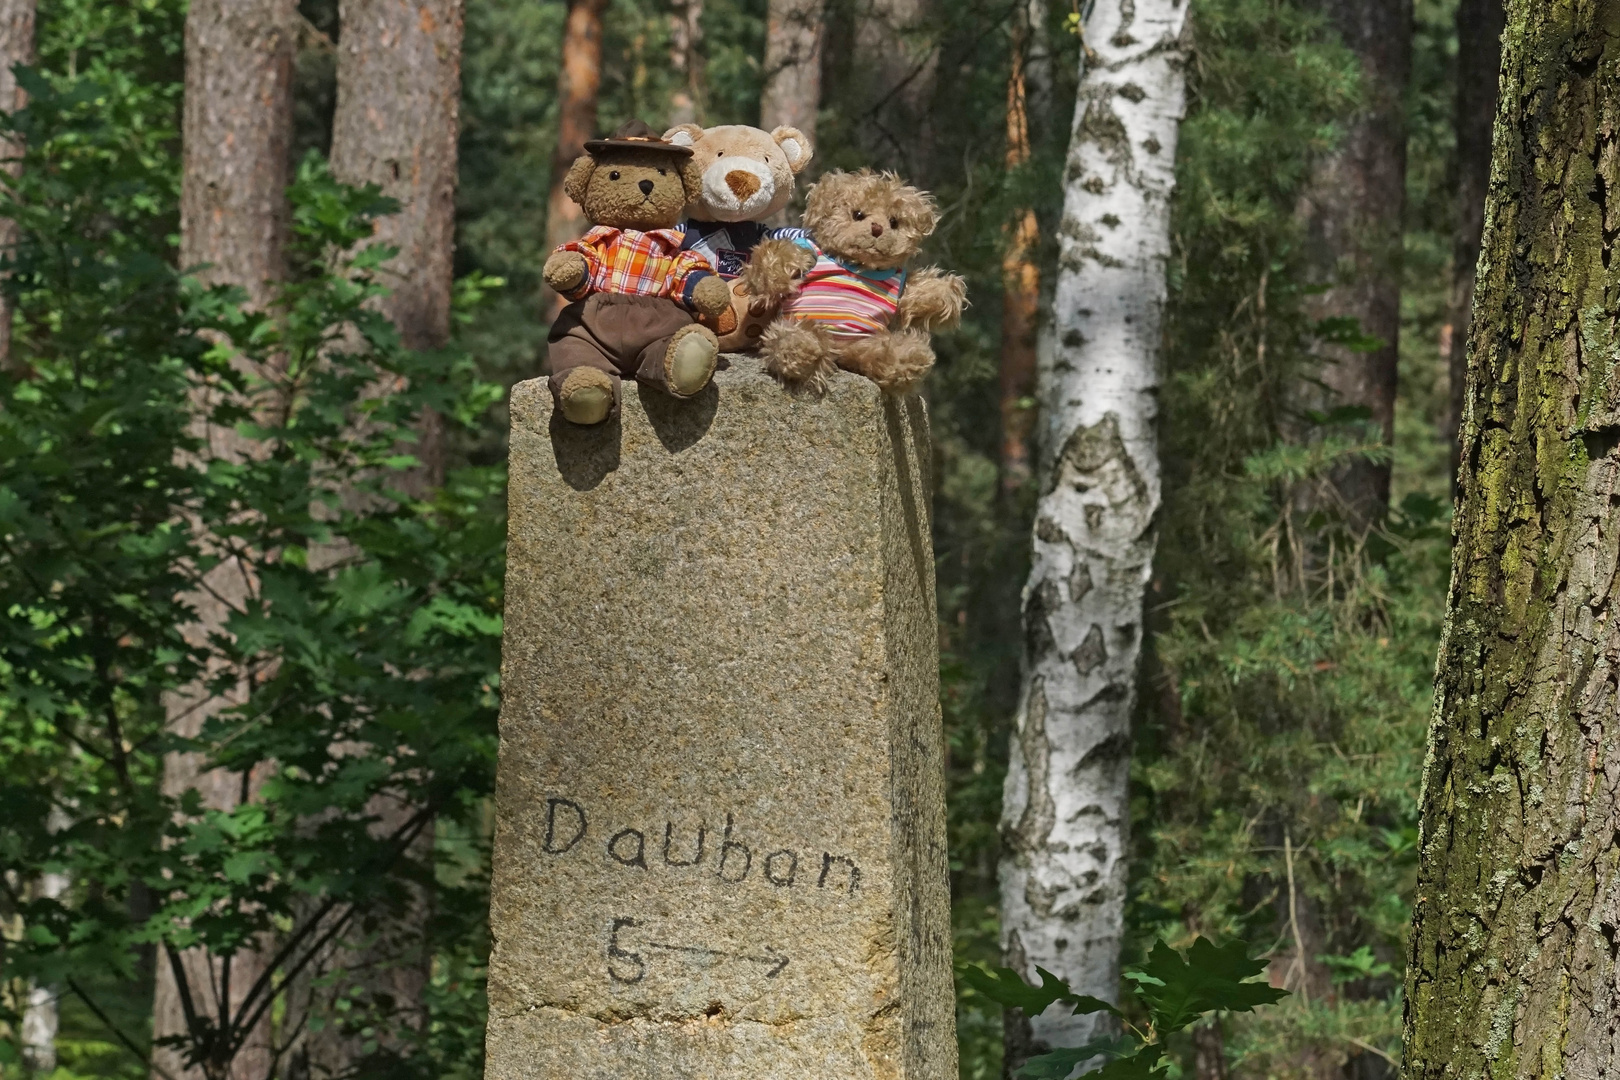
point(577, 87)
point(686, 104)
point(1065, 813)
point(1352, 216)
point(1479, 63)
point(1512, 971)
point(395, 125)
point(237, 128)
point(16, 47)
point(792, 94)
point(1020, 283)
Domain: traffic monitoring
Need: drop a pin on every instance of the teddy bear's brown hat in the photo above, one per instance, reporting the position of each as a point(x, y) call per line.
point(636, 135)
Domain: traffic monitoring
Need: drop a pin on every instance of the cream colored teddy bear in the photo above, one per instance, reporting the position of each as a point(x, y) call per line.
point(739, 177)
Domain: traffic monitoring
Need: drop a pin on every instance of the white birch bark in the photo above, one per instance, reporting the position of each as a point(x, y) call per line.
point(1066, 816)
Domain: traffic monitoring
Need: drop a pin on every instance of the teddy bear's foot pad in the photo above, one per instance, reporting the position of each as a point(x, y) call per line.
point(586, 396)
point(691, 361)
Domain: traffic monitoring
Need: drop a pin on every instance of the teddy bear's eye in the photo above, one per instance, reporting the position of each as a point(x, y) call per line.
point(720, 154)
point(894, 223)
point(859, 215)
point(614, 175)
point(663, 172)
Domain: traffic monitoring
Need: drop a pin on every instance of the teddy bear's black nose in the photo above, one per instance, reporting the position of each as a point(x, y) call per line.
point(646, 187)
point(877, 230)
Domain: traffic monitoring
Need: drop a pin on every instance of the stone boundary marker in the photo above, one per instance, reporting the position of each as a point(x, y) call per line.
point(720, 820)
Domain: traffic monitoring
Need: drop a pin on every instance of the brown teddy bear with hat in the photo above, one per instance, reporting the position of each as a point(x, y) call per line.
point(635, 294)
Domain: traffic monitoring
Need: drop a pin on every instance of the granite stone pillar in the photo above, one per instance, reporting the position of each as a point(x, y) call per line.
point(720, 831)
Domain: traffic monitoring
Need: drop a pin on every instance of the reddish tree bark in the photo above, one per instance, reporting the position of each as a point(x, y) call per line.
point(236, 132)
point(577, 87)
point(1020, 290)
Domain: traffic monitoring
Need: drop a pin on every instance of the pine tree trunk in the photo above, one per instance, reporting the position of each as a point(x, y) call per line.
point(895, 64)
point(1479, 64)
point(16, 47)
point(792, 94)
point(395, 125)
point(1352, 215)
point(1512, 969)
point(577, 86)
point(237, 129)
point(1065, 816)
point(1020, 285)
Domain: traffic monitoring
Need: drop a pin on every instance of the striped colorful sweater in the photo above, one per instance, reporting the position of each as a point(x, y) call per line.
point(844, 298)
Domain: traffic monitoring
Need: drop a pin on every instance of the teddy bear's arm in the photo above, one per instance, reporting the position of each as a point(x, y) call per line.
point(566, 271)
point(775, 270)
point(695, 284)
point(933, 298)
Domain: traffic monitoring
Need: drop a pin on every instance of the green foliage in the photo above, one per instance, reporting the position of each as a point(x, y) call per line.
point(1283, 719)
point(360, 665)
point(1171, 993)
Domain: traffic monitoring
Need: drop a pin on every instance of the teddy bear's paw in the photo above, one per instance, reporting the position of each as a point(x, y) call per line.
point(933, 298)
point(586, 396)
point(711, 296)
point(897, 362)
point(690, 360)
point(565, 271)
point(797, 357)
point(775, 270)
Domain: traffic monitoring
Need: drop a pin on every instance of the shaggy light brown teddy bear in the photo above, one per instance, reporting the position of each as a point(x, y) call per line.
point(859, 307)
point(740, 177)
point(634, 290)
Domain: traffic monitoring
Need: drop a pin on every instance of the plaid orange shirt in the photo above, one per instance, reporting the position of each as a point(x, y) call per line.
point(631, 261)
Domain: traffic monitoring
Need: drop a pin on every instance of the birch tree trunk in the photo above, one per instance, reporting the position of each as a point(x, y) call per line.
point(1352, 215)
point(395, 125)
point(792, 94)
point(1512, 967)
point(16, 47)
point(1065, 813)
point(578, 84)
point(233, 217)
point(1479, 64)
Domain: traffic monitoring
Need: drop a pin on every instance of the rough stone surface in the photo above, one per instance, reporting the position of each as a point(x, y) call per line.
point(720, 839)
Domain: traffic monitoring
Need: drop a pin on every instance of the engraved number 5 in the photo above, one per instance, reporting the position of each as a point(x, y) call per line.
point(622, 957)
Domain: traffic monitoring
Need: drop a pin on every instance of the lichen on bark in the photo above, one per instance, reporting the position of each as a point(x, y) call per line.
point(1516, 925)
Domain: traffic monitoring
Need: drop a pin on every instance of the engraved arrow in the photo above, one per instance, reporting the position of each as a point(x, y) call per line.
point(771, 957)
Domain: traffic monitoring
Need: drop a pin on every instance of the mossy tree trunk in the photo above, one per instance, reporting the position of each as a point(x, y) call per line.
point(1516, 926)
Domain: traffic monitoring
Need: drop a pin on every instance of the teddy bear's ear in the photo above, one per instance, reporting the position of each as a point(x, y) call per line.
point(795, 146)
point(579, 178)
point(684, 134)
